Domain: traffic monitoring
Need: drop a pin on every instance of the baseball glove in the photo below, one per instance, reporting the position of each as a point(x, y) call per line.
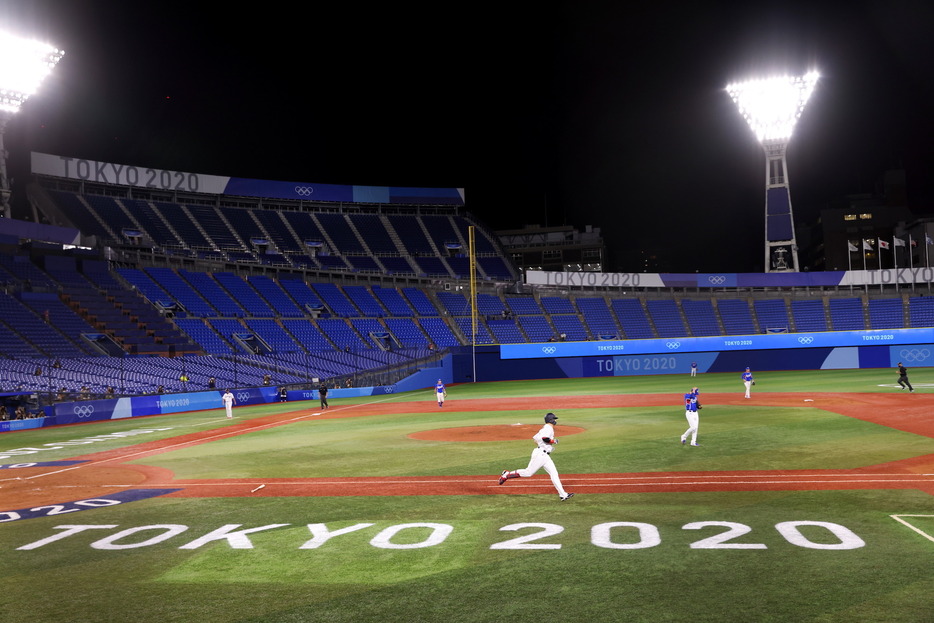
point(753, 382)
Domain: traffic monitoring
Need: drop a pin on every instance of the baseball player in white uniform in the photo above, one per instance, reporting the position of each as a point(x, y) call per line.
point(228, 400)
point(541, 457)
point(748, 381)
point(691, 405)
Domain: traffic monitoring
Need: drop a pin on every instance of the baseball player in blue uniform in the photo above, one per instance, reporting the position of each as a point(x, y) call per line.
point(693, 368)
point(441, 393)
point(691, 405)
point(748, 381)
point(545, 441)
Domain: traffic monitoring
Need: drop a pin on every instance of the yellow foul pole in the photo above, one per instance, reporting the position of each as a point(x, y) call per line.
point(473, 296)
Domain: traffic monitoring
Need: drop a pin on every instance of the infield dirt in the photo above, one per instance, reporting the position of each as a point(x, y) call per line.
point(105, 472)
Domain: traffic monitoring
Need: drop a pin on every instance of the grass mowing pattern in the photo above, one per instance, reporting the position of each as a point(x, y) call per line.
point(348, 578)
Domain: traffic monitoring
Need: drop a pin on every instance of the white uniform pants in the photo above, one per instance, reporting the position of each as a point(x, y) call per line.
point(229, 410)
point(541, 459)
point(440, 397)
point(693, 422)
point(748, 385)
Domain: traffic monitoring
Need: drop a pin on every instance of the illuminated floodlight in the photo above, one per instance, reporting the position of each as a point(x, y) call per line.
point(772, 107)
point(24, 64)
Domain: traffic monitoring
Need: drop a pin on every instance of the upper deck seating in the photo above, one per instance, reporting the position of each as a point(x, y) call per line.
point(420, 302)
point(772, 315)
point(393, 301)
point(809, 315)
point(701, 317)
point(245, 296)
point(736, 317)
point(847, 314)
point(632, 318)
point(598, 317)
point(206, 286)
point(666, 318)
point(281, 303)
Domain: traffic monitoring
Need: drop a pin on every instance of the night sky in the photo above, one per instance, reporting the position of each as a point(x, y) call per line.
point(590, 113)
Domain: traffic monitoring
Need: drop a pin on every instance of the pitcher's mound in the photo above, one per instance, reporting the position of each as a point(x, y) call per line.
point(507, 432)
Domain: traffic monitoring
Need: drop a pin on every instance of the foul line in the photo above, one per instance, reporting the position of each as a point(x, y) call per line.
point(222, 435)
point(899, 519)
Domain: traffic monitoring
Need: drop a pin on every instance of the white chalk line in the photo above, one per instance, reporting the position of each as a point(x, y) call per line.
point(899, 519)
point(661, 481)
point(221, 435)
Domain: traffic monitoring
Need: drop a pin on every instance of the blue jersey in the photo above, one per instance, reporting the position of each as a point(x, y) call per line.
point(690, 401)
point(439, 387)
point(747, 376)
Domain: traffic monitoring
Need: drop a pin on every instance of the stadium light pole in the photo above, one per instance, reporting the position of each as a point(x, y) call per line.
point(772, 107)
point(24, 64)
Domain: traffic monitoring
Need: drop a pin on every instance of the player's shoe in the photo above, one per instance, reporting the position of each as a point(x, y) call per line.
point(695, 444)
point(568, 496)
point(683, 441)
point(504, 476)
point(911, 391)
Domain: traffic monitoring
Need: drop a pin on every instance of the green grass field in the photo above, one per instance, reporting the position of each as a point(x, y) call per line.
point(630, 555)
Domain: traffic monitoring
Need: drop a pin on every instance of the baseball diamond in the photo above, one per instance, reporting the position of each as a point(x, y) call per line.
point(331, 511)
point(97, 473)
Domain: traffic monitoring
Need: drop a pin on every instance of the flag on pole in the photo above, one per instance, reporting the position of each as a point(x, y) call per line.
point(898, 242)
point(883, 244)
point(867, 246)
point(927, 240)
point(913, 242)
point(852, 246)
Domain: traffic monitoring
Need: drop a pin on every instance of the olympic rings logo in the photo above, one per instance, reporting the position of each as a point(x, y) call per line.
point(915, 354)
point(241, 396)
point(716, 279)
point(673, 345)
point(83, 410)
point(389, 389)
point(304, 191)
point(807, 339)
point(549, 350)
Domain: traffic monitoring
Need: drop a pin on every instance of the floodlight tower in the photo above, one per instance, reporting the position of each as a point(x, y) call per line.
point(772, 107)
point(23, 66)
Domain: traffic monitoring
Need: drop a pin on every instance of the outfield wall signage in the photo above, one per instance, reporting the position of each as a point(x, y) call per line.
point(766, 341)
point(161, 404)
point(819, 279)
point(869, 354)
point(180, 181)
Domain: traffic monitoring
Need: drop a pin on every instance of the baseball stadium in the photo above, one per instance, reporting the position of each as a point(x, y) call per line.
point(137, 296)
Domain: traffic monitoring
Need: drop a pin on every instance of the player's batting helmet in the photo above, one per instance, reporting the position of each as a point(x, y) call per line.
point(551, 418)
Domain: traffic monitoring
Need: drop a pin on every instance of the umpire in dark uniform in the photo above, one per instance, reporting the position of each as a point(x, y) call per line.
point(903, 377)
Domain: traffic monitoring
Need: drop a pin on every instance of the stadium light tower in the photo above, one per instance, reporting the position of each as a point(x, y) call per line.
point(772, 107)
point(23, 66)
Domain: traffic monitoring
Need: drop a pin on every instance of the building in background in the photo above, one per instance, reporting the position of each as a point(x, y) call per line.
point(561, 248)
point(867, 231)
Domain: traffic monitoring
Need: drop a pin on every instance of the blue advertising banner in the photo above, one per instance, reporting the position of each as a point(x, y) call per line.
point(912, 355)
point(93, 410)
point(829, 339)
point(307, 191)
point(6, 427)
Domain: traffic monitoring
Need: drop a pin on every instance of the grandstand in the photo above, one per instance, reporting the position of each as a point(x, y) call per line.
point(174, 289)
